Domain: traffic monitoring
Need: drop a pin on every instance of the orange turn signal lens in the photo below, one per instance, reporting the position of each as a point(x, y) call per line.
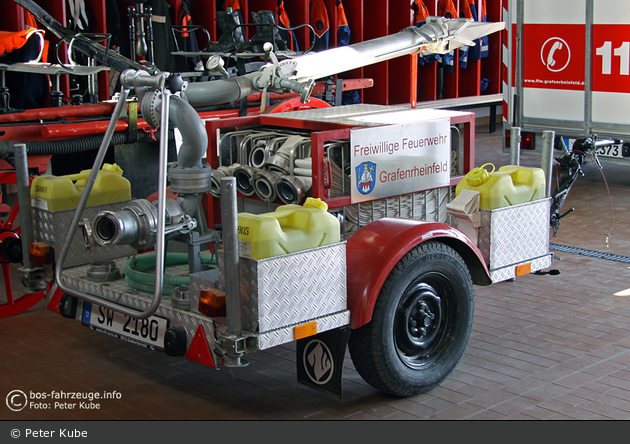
point(40, 253)
point(212, 302)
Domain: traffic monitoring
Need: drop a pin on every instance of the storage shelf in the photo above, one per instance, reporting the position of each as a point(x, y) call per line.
point(367, 19)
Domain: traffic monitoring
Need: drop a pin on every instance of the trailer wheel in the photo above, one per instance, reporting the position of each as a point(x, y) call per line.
point(420, 325)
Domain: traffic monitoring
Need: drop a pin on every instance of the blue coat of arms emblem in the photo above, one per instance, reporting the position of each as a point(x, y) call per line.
point(366, 177)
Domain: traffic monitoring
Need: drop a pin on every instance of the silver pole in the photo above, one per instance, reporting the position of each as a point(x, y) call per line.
point(515, 145)
point(229, 212)
point(160, 244)
point(518, 110)
point(24, 200)
point(588, 73)
point(546, 161)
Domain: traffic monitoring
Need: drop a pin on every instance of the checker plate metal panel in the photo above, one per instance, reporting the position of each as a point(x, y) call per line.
point(285, 335)
point(120, 293)
point(291, 289)
point(52, 227)
point(515, 234)
point(506, 273)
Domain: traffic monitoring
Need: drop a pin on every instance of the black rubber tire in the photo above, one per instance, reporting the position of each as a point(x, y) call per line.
point(392, 352)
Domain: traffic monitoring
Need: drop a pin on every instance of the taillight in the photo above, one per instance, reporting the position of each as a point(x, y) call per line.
point(212, 302)
point(40, 253)
point(528, 140)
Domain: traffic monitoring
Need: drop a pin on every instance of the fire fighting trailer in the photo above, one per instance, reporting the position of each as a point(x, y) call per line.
point(359, 252)
point(566, 68)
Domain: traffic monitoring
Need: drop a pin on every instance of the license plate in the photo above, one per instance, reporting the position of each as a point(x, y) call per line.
point(147, 332)
point(610, 151)
point(605, 151)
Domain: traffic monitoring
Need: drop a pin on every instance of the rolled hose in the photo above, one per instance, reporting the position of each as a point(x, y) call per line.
point(88, 143)
point(136, 277)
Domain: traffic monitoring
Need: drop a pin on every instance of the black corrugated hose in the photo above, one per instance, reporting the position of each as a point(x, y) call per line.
point(88, 143)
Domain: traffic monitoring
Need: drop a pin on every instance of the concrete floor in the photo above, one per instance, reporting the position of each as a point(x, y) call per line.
point(542, 347)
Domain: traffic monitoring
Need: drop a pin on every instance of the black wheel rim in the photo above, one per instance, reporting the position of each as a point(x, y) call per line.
point(423, 319)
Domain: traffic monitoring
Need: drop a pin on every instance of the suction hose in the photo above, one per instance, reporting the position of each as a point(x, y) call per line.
point(88, 143)
point(136, 277)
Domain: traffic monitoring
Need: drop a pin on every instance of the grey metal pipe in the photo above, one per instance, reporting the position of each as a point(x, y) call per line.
point(229, 212)
point(190, 203)
point(220, 91)
point(546, 160)
point(24, 200)
point(515, 146)
point(195, 138)
point(182, 116)
point(436, 36)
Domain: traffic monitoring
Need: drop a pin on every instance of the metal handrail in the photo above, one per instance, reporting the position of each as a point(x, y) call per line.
point(160, 244)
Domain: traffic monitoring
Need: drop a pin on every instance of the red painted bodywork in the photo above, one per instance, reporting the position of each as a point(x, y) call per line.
point(374, 250)
point(295, 104)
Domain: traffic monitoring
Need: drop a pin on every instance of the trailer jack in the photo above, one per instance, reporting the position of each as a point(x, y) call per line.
point(232, 348)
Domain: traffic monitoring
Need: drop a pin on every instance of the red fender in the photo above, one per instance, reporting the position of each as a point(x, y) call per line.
point(374, 250)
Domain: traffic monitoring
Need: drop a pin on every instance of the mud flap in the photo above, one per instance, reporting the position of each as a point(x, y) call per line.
point(319, 361)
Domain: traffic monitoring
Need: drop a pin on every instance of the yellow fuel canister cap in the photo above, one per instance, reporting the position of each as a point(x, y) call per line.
point(479, 175)
point(112, 168)
point(312, 202)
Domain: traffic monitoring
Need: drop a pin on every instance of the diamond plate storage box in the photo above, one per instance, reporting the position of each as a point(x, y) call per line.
point(52, 227)
point(514, 235)
point(291, 289)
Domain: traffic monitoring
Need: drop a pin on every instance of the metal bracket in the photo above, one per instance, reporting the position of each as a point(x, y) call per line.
point(232, 348)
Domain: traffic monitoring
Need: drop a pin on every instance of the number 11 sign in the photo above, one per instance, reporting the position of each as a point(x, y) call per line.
point(611, 64)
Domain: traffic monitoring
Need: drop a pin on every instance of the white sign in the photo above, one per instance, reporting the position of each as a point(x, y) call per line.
point(399, 159)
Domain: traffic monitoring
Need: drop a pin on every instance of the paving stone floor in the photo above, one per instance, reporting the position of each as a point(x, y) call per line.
point(542, 347)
